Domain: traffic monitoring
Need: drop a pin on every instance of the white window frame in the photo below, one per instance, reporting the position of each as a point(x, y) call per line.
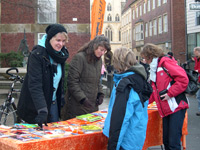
point(160, 25)
point(155, 27)
point(137, 12)
point(165, 23)
point(149, 5)
point(47, 10)
point(150, 28)
point(146, 29)
point(153, 4)
point(133, 14)
point(144, 8)
point(164, 1)
point(159, 3)
point(140, 10)
point(139, 32)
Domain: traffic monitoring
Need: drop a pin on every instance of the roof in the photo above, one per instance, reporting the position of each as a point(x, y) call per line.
point(127, 5)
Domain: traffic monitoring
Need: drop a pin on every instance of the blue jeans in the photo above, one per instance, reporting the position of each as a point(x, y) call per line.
point(172, 130)
point(54, 117)
point(198, 99)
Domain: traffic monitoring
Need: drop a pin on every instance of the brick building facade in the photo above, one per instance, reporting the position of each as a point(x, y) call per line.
point(17, 16)
point(161, 22)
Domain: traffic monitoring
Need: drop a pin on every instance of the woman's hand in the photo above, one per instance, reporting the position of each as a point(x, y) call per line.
point(165, 97)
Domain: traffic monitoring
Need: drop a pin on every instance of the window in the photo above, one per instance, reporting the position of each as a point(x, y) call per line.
point(137, 12)
point(149, 5)
point(146, 30)
point(139, 35)
point(140, 10)
point(159, 3)
point(108, 33)
point(129, 36)
point(117, 17)
point(133, 14)
point(198, 18)
point(133, 33)
point(109, 18)
point(47, 11)
point(120, 35)
point(144, 8)
point(165, 23)
point(153, 4)
point(109, 8)
point(155, 27)
point(164, 1)
point(150, 28)
point(160, 25)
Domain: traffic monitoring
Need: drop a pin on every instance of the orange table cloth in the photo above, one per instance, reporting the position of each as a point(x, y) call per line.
point(92, 141)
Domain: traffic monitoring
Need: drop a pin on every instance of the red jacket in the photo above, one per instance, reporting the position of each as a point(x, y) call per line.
point(179, 75)
point(197, 65)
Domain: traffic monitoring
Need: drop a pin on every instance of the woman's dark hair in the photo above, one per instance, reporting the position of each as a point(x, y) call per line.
point(151, 51)
point(91, 46)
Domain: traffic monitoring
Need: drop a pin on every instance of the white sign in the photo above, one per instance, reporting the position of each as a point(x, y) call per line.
point(194, 6)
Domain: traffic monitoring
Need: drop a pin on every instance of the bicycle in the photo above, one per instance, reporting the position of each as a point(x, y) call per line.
point(8, 109)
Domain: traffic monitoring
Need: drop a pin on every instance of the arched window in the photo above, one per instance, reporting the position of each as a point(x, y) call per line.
point(117, 17)
point(108, 33)
point(109, 18)
point(109, 8)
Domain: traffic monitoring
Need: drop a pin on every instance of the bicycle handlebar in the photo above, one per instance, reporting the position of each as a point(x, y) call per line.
point(13, 76)
point(13, 68)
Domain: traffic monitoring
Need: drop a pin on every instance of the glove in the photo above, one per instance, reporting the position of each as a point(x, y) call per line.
point(42, 116)
point(100, 98)
point(86, 103)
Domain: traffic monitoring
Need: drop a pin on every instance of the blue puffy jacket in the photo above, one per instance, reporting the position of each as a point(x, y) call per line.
point(127, 118)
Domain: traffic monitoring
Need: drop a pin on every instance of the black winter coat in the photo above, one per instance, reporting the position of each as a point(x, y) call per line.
point(37, 89)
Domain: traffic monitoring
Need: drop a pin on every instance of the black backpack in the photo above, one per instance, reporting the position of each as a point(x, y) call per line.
point(193, 84)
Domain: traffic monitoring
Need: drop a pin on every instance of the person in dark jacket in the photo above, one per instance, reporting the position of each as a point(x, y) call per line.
point(84, 93)
point(197, 69)
point(126, 122)
point(169, 81)
point(42, 90)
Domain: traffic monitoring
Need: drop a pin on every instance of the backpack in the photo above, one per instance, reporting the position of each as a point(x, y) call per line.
point(193, 84)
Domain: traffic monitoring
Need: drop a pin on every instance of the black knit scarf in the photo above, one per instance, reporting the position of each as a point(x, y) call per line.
point(59, 57)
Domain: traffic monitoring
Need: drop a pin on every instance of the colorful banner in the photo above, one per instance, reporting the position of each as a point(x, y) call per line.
point(98, 11)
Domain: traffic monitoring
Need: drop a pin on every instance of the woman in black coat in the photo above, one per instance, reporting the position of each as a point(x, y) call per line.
point(42, 90)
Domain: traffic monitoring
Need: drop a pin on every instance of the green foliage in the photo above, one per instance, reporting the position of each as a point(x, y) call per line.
point(11, 59)
point(66, 73)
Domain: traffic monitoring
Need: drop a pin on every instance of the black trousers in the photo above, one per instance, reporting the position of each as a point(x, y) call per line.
point(172, 130)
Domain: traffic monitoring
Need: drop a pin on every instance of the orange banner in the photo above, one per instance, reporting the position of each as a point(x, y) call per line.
point(98, 11)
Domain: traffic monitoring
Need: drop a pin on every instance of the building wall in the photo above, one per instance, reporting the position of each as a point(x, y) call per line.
point(178, 30)
point(127, 29)
point(14, 18)
point(114, 25)
point(174, 39)
point(191, 19)
point(193, 29)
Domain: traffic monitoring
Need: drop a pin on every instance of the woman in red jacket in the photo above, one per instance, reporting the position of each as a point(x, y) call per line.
point(167, 93)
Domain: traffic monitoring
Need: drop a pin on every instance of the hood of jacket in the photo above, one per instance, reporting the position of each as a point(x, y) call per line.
point(41, 42)
point(138, 69)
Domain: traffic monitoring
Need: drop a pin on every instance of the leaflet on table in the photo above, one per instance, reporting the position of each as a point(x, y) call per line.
point(26, 132)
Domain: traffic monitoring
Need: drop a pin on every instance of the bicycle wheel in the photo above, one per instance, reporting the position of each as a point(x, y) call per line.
point(7, 116)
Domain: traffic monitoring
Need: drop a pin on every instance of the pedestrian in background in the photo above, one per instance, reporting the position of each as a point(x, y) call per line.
point(42, 90)
point(197, 69)
point(168, 93)
point(126, 122)
point(84, 93)
point(103, 71)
